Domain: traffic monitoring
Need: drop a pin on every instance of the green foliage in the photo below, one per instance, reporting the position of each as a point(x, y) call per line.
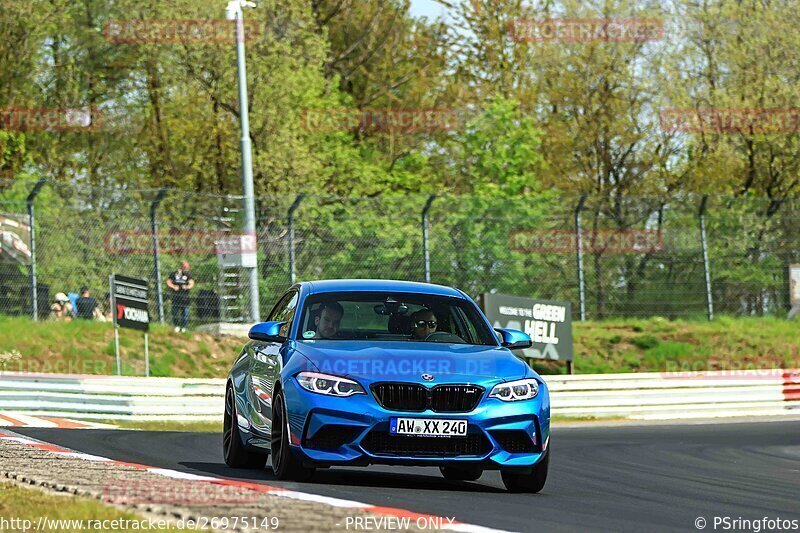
point(645, 342)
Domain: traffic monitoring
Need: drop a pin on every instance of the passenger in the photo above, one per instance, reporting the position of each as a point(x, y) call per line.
point(328, 319)
point(423, 323)
point(62, 308)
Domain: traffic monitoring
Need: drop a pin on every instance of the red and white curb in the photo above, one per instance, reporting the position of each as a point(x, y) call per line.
point(19, 420)
point(443, 523)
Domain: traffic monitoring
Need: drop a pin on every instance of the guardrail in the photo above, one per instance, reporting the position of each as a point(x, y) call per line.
point(642, 396)
point(112, 398)
point(678, 395)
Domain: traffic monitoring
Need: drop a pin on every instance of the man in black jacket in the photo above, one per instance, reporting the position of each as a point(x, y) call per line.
point(181, 282)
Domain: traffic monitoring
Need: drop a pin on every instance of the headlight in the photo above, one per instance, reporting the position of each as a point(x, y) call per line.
point(523, 389)
point(327, 384)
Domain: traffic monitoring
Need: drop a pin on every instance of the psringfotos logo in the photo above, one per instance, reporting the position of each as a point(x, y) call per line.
point(50, 119)
point(178, 30)
point(731, 120)
point(585, 30)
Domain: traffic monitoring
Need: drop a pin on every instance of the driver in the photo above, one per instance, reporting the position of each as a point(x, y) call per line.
point(328, 320)
point(423, 323)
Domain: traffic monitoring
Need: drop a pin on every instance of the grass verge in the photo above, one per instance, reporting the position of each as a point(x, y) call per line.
point(157, 425)
point(23, 507)
point(87, 347)
point(631, 345)
point(661, 345)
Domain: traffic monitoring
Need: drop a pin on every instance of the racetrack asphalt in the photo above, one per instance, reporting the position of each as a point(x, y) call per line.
point(621, 477)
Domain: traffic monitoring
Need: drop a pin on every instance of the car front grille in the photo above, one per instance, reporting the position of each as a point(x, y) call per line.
point(401, 396)
point(381, 442)
point(416, 398)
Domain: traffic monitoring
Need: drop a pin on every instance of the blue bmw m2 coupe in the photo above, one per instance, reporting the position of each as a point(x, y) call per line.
point(359, 372)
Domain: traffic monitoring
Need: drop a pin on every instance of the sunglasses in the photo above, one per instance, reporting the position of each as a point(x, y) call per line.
point(422, 323)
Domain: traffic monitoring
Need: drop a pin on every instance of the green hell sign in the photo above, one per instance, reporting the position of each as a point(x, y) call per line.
point(548, 322)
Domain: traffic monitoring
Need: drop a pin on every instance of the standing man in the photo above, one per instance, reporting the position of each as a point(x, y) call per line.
point(181, 282)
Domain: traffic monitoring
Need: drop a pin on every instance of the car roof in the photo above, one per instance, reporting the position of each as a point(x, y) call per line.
point(368, 285)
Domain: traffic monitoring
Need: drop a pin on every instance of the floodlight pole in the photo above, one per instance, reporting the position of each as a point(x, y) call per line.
point(156, 257)
point(706, 268)
point(31, 225)
point(425, 251)
point(234, 12)
point(579, 243)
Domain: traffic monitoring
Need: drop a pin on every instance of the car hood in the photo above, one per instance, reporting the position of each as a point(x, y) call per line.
point(408, 361)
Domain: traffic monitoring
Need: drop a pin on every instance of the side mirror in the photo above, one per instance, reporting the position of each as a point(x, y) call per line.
point(513, 339)
point(267, 332)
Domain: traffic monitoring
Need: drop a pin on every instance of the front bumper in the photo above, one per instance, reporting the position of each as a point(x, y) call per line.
point(340, 431)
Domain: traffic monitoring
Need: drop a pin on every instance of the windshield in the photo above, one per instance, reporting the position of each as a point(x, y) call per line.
point(393, 317)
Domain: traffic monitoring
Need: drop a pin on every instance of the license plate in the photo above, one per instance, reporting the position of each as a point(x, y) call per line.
point(431, 427)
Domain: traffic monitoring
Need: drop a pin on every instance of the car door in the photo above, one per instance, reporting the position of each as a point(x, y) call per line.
point(267, 356)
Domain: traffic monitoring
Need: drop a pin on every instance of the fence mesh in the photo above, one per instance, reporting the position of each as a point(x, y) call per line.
point(641, 256)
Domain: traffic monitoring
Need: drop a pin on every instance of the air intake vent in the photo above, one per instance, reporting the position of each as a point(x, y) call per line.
point(382, 443)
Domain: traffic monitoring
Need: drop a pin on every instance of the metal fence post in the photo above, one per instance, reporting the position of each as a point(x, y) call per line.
point(579, 240)
point(704, 244)
point(290, 217)
point(156, 259)
point(425, 250)
point(31, 220)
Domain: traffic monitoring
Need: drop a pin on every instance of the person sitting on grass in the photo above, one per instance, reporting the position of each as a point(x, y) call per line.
point(61, 309)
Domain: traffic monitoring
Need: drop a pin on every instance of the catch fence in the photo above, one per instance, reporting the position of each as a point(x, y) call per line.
point(678, 257)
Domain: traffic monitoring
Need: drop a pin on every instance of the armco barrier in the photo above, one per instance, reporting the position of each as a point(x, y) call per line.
point(679, 395)
point(643, 396)
point(113, 398)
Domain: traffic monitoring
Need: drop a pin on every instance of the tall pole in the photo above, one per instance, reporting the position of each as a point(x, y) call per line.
point(156, 255)
point(114, 318)
point(706, 267)
point(234, 12)
point(31, 223)
point(425, 251)
point(292, 209)
point(579, 240)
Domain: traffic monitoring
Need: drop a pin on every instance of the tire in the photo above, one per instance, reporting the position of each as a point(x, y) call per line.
point(236, 455)
point(531, 482)
point(284, 463)
point(455, 473)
